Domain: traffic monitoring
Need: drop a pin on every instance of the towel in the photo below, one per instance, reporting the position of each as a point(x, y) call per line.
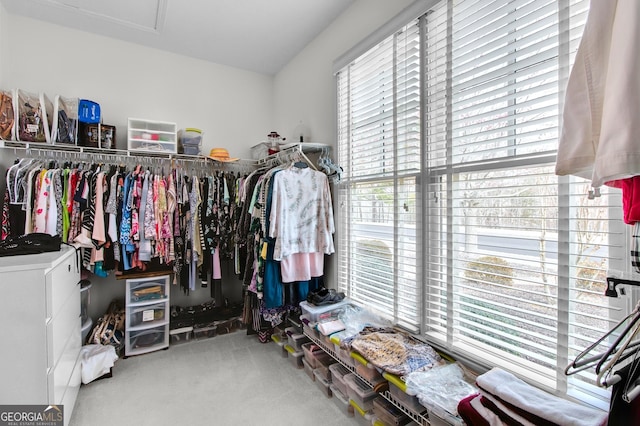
point(470, 413)
point(508, 414)
point(510, 389)
point(488, 415)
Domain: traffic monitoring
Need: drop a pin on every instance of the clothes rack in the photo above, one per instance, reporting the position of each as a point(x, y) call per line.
point(114, 156)
point(292, 152)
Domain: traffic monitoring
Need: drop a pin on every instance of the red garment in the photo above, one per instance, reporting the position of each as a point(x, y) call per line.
point(469, 414)
point(630, 197)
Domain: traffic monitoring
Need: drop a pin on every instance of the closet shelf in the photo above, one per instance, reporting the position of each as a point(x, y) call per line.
point(62, 148)
point(418, 418)
point(293, 148)
point(84, 153)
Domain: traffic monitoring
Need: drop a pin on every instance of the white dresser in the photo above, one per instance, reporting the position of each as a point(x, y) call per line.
point(40, 329)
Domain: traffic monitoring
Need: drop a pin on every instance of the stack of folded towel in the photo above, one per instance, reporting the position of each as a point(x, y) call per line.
point(506, 400)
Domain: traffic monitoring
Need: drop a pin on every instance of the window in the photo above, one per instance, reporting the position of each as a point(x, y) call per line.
point(379, 106)
point(451, 221)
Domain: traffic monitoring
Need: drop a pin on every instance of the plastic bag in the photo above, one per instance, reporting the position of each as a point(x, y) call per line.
point(440, 388)
point(7, 117)
point(356, 319)
point(34, 116)
point(65, 120)
point(97, 361)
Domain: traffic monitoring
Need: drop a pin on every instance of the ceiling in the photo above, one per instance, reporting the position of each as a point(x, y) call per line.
point(255, 35)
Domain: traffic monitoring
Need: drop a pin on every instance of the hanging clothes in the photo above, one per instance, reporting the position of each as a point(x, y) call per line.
point(288, 213)
point(602, 102)
point(622, 410)
point(301, 213)
point(124, 217)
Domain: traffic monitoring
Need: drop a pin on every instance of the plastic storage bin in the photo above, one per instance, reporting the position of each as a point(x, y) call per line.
point(397, 389)
point(295, 356)
point(369, 373)
point(180, 335)
point(260, 151)
point(322, 367)
point(338, 371)
point(147, 321)
point(308, 327)
point(314, 354)
point(151, 136)
point(315, 313)
point(362, 416)
point(323, 384)
point(308, 369)
point(85, 290)
point(388, 413)
point(360, 392)
point(296, 324)
point(205, 331)
point(147, 315)
point(142, 341)
point(147, 290)
point(190, 141)
point(296, 340)
point(86, 329)
point(280, 342)
point(345, 356)
point(366, 370)
point(341, 400)
point(226, 326)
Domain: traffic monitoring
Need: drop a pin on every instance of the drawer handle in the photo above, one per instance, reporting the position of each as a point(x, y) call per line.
point(69, 268)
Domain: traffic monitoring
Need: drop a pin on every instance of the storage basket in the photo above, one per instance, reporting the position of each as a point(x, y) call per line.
point(190, 141)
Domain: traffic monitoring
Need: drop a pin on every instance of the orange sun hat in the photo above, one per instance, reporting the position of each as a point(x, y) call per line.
point(221, 154)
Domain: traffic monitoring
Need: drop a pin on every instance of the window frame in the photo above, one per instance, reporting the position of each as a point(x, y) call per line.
point(425, 226)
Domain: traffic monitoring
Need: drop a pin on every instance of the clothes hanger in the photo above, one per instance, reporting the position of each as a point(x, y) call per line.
point(580, 364)
point(323, 162)
point(631, 327)
point(630, 393)
point(304, 156)
point(298, 163)
point(629, 347)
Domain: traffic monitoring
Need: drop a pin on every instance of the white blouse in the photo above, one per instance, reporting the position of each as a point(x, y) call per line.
point(600, 138)
point(301, 217)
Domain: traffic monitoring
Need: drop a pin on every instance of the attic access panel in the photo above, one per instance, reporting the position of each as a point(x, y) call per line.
point(145, 15)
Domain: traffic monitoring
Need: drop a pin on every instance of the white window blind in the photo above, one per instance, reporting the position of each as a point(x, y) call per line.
point(477, 243)
point(379, 134)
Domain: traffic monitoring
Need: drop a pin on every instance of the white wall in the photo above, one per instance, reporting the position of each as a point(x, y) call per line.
point(232, 106)
point(305, 89)
point(3, 39)
point(235, 108)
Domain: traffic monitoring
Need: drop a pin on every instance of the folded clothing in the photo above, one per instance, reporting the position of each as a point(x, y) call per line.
point(475, 414)
point(536, 405)
point(440, 388)
point(394, 352)
point(329, 327)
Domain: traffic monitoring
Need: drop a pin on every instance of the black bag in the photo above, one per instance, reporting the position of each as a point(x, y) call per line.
point(30, 244)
